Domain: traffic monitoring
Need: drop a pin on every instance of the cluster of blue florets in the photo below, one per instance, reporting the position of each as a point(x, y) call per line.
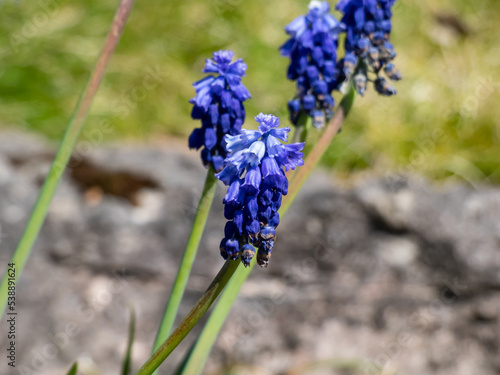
point(255, 173)
point(312, 49)
point(253, 162)
point(368, 28)
point(219, 105)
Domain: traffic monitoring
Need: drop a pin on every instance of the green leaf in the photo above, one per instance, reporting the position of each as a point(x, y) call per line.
point(131, 334)
point(65, 149)
point(73, 370)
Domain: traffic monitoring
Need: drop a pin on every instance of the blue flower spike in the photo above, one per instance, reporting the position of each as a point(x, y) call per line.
point(219, 105)
point(312, 49)
point(368, 28)
point(254, 170)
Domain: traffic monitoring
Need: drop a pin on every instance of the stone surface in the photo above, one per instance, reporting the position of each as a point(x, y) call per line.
point(396, 273)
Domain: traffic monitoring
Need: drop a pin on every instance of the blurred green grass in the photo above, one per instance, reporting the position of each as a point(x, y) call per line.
point(442, 124)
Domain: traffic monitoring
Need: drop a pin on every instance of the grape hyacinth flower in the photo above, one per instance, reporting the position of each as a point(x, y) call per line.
point(219, 105)
point(312, 49)
point(367, 45)
point(254, 172)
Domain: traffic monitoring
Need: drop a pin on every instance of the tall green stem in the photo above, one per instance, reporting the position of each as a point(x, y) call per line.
point(191, 319)
point(299, 178)
point(65, 149)
point(199, 353)
point(201, 349)
point(302, 128)
point(179, 286)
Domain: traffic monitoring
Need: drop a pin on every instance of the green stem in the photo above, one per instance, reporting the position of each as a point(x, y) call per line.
point(65, 149)
point(301, 128)
point(179, 286)
point(199, 354)
point(191, 319)
point(299, 178)
point(297, 134)
point(305, 130)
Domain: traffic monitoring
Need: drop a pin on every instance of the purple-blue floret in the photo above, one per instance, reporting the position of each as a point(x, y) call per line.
point(368, 28)
point(219, 105)
point(254, 170)
point(312, 49)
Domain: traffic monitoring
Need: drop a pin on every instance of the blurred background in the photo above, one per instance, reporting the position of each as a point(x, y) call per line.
point(447, 53)
point(387, 263)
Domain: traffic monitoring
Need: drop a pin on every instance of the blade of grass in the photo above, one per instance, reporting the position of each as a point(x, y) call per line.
point(198, 356)
point(131, 335)
point(65, 149)
point(73, 370)
point(186, 265)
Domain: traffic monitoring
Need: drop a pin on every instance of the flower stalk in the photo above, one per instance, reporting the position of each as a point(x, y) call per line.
point(304, 123)
point(191, 319)
point(66, 147)
point(299, 177)
point(197, 356)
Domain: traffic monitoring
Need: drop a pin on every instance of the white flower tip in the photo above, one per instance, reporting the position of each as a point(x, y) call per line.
point(314, 4)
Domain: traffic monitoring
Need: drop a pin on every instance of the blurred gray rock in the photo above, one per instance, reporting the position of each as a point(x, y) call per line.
point(402, 274)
